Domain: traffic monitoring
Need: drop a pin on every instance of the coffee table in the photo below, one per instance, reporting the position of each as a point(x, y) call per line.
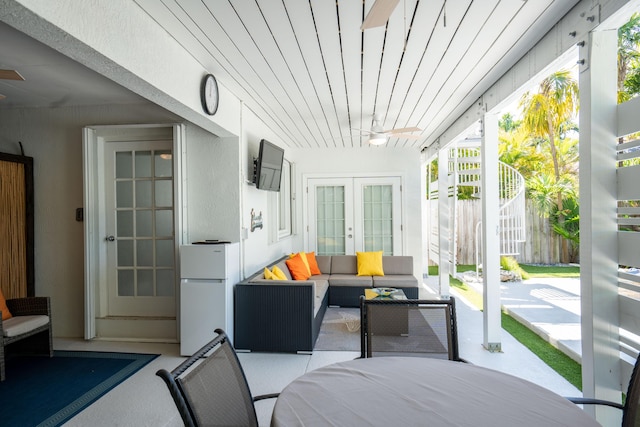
point(374, 294)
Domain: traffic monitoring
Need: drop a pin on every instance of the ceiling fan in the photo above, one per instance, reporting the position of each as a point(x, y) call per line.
point(379, 14)
point(378, 136)
point(9, 75)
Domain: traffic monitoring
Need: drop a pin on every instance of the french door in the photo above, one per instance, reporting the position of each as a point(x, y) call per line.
point(354, 214)
point(139, 223)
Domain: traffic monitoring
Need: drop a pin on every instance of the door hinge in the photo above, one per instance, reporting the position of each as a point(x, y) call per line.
point(307, 228)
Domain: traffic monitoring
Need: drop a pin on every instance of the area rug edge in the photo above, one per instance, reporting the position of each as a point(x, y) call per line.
point(139, 361)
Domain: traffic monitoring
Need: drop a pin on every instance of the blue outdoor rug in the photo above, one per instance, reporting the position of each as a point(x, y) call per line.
point(42, 391)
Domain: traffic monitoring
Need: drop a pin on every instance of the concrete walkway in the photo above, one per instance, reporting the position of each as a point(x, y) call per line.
point(548, 306)
point(515, 358)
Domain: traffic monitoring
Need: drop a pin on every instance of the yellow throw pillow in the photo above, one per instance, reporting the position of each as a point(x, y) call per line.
point(278, 273)
point(268, 274)
point(303, 255)
point(370, 263)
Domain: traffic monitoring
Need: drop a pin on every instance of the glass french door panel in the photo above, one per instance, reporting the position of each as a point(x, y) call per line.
point(329, 229)
point(378, 218)
point(142, 177)
point(377, 211)
point(330, 220)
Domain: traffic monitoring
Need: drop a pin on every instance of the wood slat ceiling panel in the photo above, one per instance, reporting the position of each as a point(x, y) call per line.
point(421, 34)
point(373, 42)
point(240, 75)
point(514, 26)
point(444, 81)
point(326, 24)
point(288, 46)
point(308, 71)
point(392, 56)
point(245, 38)
point(350, 16)
point(419, 97)
point(303, 24)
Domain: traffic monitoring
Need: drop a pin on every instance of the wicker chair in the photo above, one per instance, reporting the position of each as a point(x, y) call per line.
point(423, 328)
point(631, 407)
point(214, 392)
point(28, 331)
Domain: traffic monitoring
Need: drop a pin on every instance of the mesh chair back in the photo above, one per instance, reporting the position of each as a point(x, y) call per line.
point(214, 392)
point(631, 412)
point(424, 328)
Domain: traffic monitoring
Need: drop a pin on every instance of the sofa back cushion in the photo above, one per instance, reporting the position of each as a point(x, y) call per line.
point(343, 264)
point(324, 263)
point(397, 264)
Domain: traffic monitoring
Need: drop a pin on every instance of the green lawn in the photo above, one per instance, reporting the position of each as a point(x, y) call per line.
point(557, 360)
point(551, 271)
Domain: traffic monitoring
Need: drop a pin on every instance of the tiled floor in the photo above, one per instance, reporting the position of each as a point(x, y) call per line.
point(143, 400)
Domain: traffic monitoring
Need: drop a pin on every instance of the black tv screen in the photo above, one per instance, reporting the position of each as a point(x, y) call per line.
point(269, 166)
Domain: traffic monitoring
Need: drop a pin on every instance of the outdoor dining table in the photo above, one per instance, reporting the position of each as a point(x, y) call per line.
point(415, 391)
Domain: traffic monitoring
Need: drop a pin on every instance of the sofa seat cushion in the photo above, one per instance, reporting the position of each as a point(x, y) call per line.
point(350, 280)
point(395, 281)
point(18, 325)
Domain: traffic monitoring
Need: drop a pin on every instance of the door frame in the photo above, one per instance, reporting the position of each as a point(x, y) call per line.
point(306, 194)
point(93, 144)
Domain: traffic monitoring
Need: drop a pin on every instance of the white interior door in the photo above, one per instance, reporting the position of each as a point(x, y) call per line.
point(354, 214)
point(140, 229)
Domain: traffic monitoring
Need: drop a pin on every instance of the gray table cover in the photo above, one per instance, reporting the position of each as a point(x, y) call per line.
point(411, 391)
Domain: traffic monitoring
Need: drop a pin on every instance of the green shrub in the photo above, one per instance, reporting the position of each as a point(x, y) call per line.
point(510, 264)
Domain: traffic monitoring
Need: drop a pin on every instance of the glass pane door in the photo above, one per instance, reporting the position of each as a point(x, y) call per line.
point(331, 217)
point(142, 243)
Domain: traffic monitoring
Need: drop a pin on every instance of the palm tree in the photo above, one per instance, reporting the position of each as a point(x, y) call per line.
point(628, 56)
point(545, 112)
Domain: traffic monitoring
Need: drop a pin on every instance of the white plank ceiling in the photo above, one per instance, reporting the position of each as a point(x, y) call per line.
point(315, 78)
point(306, 68)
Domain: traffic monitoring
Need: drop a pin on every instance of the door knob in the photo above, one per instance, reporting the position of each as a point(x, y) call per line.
point(110, 239)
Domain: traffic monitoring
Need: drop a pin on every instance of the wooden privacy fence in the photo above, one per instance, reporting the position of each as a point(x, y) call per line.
point(542, 246)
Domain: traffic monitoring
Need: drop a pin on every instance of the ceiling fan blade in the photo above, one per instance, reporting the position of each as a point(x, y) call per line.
point(403, 130)
point(405, 136)
point(10, 75)
point(379, 14)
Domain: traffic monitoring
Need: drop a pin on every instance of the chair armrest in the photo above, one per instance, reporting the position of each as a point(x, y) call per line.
point(29, 306)
point(588, 401)
point(265, 396)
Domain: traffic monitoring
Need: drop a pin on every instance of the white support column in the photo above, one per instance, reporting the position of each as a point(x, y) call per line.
point(491, 235)
point(444, 221)
point(598, 224)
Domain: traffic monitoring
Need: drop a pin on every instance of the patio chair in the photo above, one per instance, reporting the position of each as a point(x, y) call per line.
point(215, 391)
point(631, 407)
point(27, 331)
point(423, 328)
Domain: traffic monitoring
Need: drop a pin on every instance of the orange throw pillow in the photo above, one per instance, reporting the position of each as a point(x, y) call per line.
point(313, 264)
point(304, 259)
point(6, 314)
point(297, 268)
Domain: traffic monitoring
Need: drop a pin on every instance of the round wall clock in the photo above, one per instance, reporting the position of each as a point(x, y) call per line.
point(209, 94)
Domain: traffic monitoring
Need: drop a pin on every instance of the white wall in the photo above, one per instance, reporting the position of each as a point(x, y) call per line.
point(53, 137)
point(375, 161)
point(257, 248)
point(213, 193)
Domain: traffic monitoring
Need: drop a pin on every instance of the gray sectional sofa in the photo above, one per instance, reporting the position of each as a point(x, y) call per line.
point(286, 315)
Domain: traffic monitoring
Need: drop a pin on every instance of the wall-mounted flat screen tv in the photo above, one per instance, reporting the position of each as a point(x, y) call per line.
point(268, 167)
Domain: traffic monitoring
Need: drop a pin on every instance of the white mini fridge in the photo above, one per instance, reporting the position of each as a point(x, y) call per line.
point(208, 274)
